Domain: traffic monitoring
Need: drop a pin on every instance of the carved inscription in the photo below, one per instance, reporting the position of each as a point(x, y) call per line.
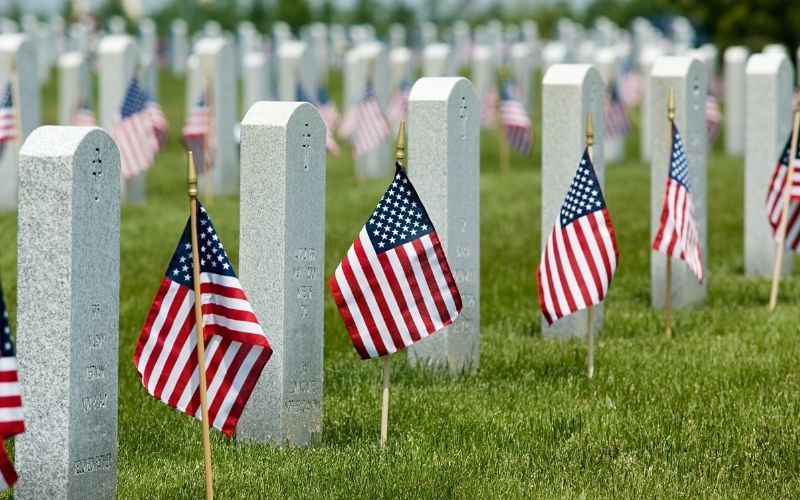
point(93, 464)
point(94, 403)
point(303, 393)
point(306, 146)
point(465, 275)
point(95, 372)
point(462, 115)
point(97, 174)
point(305, 271)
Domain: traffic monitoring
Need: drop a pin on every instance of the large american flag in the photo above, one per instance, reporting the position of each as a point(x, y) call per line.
point(776, 199)
point(236, 347)
point(8, 119)
point(394, 286)
point(677, 234)
point(330, 116)
point(196, 134)
point(581, 254)
point(617, 124)
point(397, 109)
point(84, 116)
point(134, 132)
point(11, 418)
point(371, 128)
point(713, 118)
point(515, 120)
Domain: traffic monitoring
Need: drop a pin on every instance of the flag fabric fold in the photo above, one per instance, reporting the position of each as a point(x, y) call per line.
point(236, 347)
point(12, 421)
point(365, 123)
point(581, 254)
point(135, 131)
point(713, 118)
point(677, 234)
point(617, 124)
point(330, 116)
point(397, 109)
point(516, 123)
point(8, 118)
point(394, 286)
point(775, 198)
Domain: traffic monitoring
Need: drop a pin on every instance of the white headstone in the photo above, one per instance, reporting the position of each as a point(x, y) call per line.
point(293, 58)
point(687, 77)
point(17, 51)
point(397, 36)
point(443, 164)
point(775, 48)
point(255, 80)
point(519, 61)
point(400, 60)
point(436, 60)
point(282, 251)
point(117, 25)
point(148, 54)
point(483, 69)
point(768, 125)
point(461, 45)
point(647, 59)
point(553, 53)
point(178, 46)
point(429, 33)
point(735, 62)
point(68, 327)
point(606, 61)
point(73, 85)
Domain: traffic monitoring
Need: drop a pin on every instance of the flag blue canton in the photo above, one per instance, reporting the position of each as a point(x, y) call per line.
point(322, 96)
point(786, 150)
point(399, 216)
point(678, 167)
point(7, 97)
point(507, 91)
point(6, 345)
point(213, 258)
point(369, 92)
point(584, 195)
point(135, 99)
point(301, 94)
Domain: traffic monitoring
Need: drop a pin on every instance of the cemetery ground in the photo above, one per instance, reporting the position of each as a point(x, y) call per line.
point(713, 412)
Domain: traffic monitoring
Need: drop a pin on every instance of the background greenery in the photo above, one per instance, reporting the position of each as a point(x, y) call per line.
point(710, 413)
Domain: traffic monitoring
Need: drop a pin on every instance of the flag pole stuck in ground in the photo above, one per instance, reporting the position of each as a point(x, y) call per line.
point(787, 197)
point(589, 310)
point(198, 314)
point(668, 280)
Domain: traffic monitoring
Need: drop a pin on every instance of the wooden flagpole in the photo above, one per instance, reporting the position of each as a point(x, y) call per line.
point(400, 157)
point(668, 281)
point(787, 196)
point(590, 310)
point(198, 320)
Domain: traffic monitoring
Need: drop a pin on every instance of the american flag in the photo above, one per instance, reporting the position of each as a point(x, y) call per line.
point(775, 198)
point(330, 116)
point(713, 118)
point(84, 116)
point(515, 121)
point(159, 122)
point(236, 347)
point(196, 134)
point(489, 108)
point(11, 419)
point(371, 128)
point(397, 109)
point(677, 234)
point(394, 286)
point(617, 123)
point(630, 88)
point(134, 132)
point(581, 254)
point(8, 119)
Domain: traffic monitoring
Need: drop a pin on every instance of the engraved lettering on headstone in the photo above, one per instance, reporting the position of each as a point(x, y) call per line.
point(306, 146)
point(94, 403)
point(92, 464)
point(95, 372)
point(462, 114)
point(97, 173)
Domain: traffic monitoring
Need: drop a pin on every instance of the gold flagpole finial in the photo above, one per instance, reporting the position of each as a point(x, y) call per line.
point(589, 129)
point(671, 105)
point(400, 146)
point(191, 176)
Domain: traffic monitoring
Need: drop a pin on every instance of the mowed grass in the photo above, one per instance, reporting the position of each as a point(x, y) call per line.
point(711, 413)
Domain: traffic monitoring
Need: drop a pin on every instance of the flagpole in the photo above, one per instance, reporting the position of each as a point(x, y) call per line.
point(590, 310)
point(787, 196)
point(207, 159)
point(400, 157)
point(198, 320)
point(668, 280)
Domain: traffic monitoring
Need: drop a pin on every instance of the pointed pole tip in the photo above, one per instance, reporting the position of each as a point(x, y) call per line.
point(191, 175)
point(589, 129)
point(400, 145)
point(671, 104)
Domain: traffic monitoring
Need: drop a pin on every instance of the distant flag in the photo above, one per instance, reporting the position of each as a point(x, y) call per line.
point(394, 286)
point(677, 234)
point(775, 198)
point(84, 116)
point(713, 118)
point(236, 347)
point(515, 121)
point(488, 109)
point(397, 108)
point(8, 119)
point(134, 132)
point(347, 126)
point(11, 418)
point(196, 134)
point(158, 120)
point(630, 88)
point(617, 123)
point(581, 253)
point(371, 128)
point(330, 116)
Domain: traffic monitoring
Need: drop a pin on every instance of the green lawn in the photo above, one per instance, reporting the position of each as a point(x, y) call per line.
point(711, 413)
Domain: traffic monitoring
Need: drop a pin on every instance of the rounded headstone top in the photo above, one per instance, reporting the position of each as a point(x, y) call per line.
point(115, 43)
point(769, 63)
point(569, 74)
point(12, 42)
point(520, 50)
point(211, 45)
point(400, 55)
point(439, 88)
point(59, 141)
point(254, 59)
point(70, 59)
point(278, 113)
point(736, 53)
point(676, 66)
point(291, 49)
point(436, 50)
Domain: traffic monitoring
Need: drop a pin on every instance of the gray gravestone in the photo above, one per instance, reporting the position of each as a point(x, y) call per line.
point(519, 59)
point(178, 46)
point(569, 93)
point(768, 124)
point(68, 316)
point(735, 62)
point(647, 58)
point(73, 84)
point(607, 62)
point(282, 249)
point(443, 164)
point(255, 80)
point(292, 57)
point(686, 75)
point(436, 60)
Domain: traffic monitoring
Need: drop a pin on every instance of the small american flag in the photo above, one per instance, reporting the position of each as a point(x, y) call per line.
point(775, 198)
point(630, 88)
point(11, 418)
point(488, 110)
point(581, 254)
point(84, 116)
point(159, 122)
point(677, 234)
point(713, 118)
point(371, 128)
point(397, 109)
point(8, 119)
point(515, 121)
point(617, 123)
point(196, 135)
point(236, 347)
point(330, 116)
point(134, 132)
point(394, 286)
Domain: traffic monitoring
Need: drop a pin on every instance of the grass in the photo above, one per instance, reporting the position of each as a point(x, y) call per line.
point(711, 413)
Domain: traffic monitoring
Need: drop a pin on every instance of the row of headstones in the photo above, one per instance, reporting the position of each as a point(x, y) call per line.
point(67, 340)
